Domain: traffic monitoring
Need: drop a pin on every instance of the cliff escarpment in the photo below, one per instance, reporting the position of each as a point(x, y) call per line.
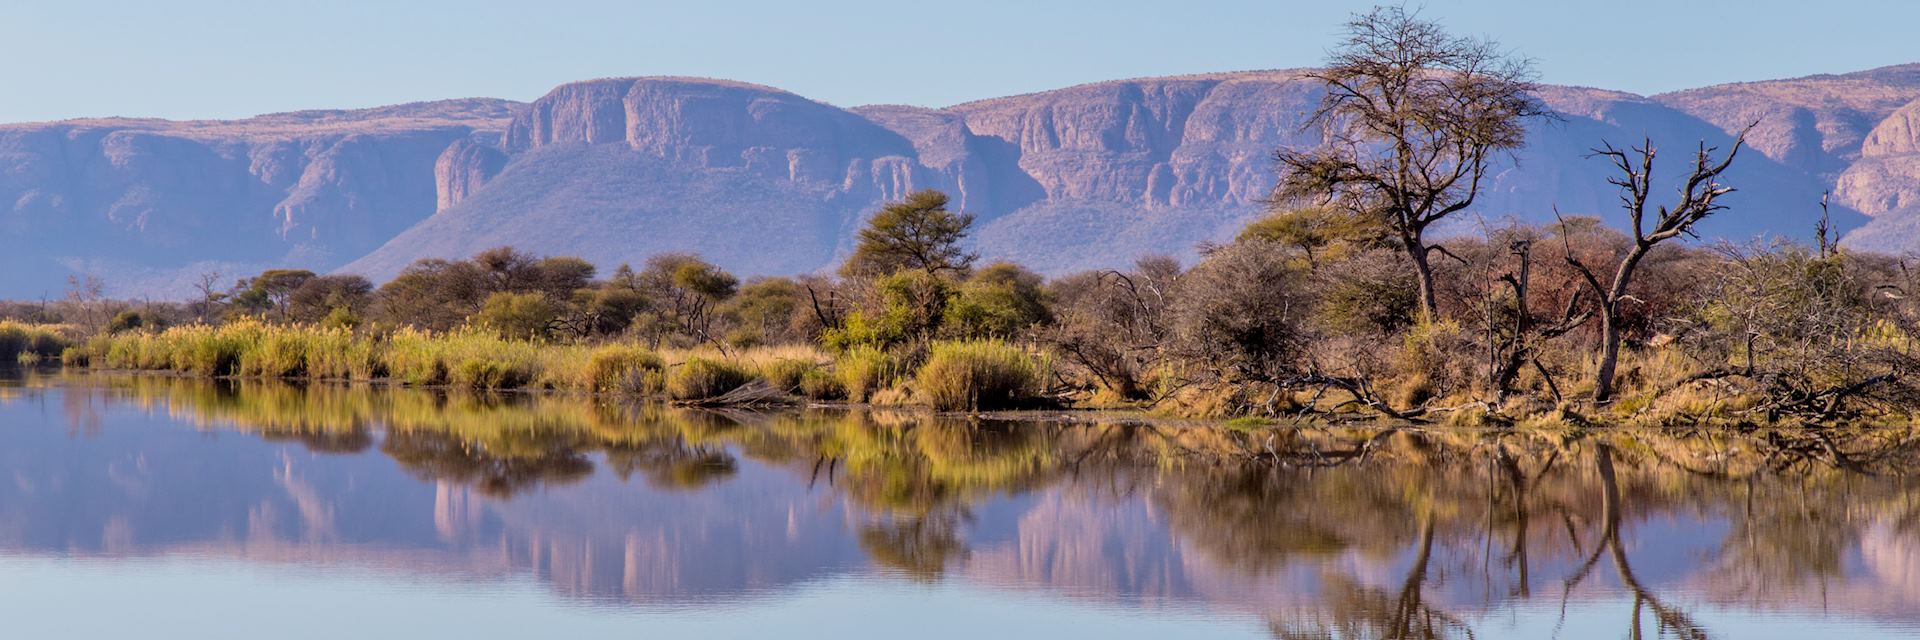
point(765, 181)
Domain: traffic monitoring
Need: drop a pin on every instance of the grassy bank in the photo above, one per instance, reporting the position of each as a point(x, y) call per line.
point(31, 343)
point(971, 375)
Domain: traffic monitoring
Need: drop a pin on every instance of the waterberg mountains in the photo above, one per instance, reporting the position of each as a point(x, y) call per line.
point(763, 181)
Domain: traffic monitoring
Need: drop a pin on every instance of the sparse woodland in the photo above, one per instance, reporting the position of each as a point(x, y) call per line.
point(1355, 297)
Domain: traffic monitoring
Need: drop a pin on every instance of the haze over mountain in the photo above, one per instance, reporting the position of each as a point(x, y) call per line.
point(764, 181)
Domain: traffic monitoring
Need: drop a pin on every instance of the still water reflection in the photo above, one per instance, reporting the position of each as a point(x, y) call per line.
point(142, 506)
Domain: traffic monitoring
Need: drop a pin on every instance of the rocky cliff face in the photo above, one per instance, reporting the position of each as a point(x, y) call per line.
point(146, 201)
point(1089, 176)
point(765, 181)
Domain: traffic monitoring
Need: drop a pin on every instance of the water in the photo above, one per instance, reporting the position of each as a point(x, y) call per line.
point(159, 507)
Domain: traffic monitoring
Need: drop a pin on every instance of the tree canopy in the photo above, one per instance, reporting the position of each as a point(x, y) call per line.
point(915, 233)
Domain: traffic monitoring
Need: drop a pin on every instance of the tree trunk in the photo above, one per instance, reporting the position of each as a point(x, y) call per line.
point(1609, 355)
point(1417, 250)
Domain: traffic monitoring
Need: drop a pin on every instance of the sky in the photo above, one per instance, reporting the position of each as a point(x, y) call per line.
point(187, 59)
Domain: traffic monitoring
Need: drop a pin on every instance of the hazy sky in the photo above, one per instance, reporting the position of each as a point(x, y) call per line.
point(228, 58)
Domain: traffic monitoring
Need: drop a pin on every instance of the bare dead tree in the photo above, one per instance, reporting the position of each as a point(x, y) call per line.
point(1412, 117)
point(1519, 348)
point(86, 295)
point(209, 293)
point(1699, 197)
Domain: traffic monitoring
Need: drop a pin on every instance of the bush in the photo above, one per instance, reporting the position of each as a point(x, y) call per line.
point(19, 339)
point(977, 375)
point(491, 373)
point(865, 370)
point(516, 316)
point(785, 374)
point(703, 378)
point(818, 384)
point(131, 320)
point(624, 369)
point(1238, 312)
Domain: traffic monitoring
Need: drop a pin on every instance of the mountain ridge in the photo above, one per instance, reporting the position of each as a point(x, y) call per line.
point(764, 180)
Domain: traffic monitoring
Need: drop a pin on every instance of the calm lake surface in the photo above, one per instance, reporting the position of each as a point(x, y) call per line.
point(159, 507)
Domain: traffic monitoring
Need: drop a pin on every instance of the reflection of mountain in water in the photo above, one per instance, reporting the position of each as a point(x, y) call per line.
point(1325, 532)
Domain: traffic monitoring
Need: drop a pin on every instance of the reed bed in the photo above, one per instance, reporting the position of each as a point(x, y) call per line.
point(978, 374)
point(30, 343)
point(957, 375)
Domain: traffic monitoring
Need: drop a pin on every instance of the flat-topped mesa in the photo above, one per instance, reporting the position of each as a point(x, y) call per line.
point(708, 124)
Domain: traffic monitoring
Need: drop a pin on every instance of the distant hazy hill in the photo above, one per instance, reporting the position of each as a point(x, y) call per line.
point(765, 181)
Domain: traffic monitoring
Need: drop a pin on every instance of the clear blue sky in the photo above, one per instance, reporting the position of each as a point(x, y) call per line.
point(228, 58)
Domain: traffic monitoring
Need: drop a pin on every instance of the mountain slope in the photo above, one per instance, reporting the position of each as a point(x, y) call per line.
point(765, 181)
point(149, 202)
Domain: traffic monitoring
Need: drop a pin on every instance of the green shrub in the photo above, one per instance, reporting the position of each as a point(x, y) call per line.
point(516, 316)
point(131, 320)
point(20, 339)
point(624, 369)
point(702, 378)
point(975, 375)
point(491, 373)
point(785, 374)
point(865, 370)
point(818, 384)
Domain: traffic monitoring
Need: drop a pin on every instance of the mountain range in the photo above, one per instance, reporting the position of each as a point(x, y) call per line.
point(763, 181)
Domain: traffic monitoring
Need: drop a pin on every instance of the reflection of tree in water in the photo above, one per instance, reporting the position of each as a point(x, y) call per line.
point(325, 440)
point(433, 455)
point(1505, 515)
point(920, 547)
point(672, 463)
point(1667, 618)
point(1355, 610)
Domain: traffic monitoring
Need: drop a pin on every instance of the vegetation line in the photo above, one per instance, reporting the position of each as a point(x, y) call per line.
point(1354, 297)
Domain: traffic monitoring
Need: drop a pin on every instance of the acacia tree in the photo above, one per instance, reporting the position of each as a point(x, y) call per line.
point(1412, 116)
point(915, 233)
point(1699, 195)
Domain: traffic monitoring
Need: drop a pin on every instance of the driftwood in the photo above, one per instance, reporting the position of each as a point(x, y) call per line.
point(756, 393)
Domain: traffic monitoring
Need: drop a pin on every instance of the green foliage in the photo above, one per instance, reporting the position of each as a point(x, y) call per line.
point(976, 375)
point(916, 233)
point(703, 378)
point(913, 304)
point(613, 308)
point(131, 320)
point(1319, 233)
point(42, 341)
point(271, 290)
point(764, 312)
point(338, 298)
point(493, 372)
point(863, 370)
point(820, 384)
point(999, 301)
point(705, 279)
point(516, 316)
point(786, 374)
point(625, 369)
